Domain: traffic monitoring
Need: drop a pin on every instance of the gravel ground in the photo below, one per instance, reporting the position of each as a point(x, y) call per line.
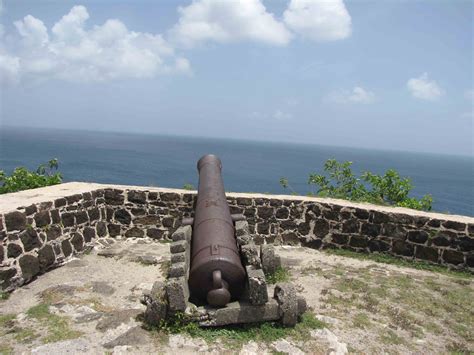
point(90, 305)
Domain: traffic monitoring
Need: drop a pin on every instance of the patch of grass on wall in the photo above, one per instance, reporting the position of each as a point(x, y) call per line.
point(280, 275)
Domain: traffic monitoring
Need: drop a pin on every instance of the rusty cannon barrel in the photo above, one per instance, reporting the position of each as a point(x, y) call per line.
point(216, 274)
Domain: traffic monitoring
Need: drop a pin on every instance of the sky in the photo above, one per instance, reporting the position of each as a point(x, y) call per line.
point(394, 75)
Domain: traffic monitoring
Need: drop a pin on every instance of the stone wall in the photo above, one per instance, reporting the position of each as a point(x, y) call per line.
point(41, 228)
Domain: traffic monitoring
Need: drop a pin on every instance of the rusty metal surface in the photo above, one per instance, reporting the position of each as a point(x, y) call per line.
point(216, 275)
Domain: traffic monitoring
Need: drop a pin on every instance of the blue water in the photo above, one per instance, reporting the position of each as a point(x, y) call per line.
point(153, 160)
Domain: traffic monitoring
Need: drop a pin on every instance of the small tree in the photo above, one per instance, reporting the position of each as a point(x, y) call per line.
point(23, 179)
point(388, 189)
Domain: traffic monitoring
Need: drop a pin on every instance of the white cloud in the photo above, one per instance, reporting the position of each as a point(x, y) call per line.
point(358, 95)
point(318, 20)
point(228, 21)
point(75, 53)
point(425, 89)
point(282, 116)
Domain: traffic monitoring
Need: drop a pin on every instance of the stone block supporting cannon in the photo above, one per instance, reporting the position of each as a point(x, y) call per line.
point(217, 273)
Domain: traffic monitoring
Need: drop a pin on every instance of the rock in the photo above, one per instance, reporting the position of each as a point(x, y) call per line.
point(270, 261)
point(155, 233)
point(249, 254)
point(13, 250)
point(133, 336)
point(178, 246)
point(6, 276)
point(137, 196)
point(102, 288)
point(116, 318)
point(46, 257)
point(147, 220)
point(53, 232)
point(180, 343)
point(29, 266)
point(135, 232)
point(285, 347)
point(177, 291)
point(156, 304)
point(183, 233)
point(114, 229)
point(285, 294)
point(113, 197)
point(42, 218)
point(177, 270)
point(30, 239)
point(74, 346)
point(257, 286)
point(241, 228)
point(77, 241)
point(147, 259)
point(15, 221)
point(123, 216)
point(240, 312)
point(89, 234)
point(335, 347)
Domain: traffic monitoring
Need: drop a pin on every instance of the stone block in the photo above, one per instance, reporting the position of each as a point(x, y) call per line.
point(42, 218)
point(135, 232)
point(241, 228)
point(77, 241)
point(101, 229)
point(6, 276)
point(401, 247)
point(155, 233)
point(285, 294)
point(178, 293)
point(426, 253)
point(15, 221)
point(29, 266)
point(113, 197)
point(321, 227)
point(137, 196)
point(66, 248)
point(270, 261)
point(257, 286)
point(238, 313)
point(453, 257)
point(46, 257)
point(177, 270)
point(419, 237)
point(147, 220)
point(30, 239)
point(123, 216)
point(183, 233)
point(156, 303)
point(178, 246)
point(454, 225)
point(178, 258)
point(249, 254)
point(14, 250)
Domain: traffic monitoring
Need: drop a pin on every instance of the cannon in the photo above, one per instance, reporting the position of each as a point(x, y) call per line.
point(216, 273)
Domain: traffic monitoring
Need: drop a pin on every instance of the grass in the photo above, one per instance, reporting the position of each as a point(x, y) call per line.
point(389, 337)
point(361, 320)
point(57, 326)
point(389, 259)
point(237, 335)
point(280, 275)
point(4, 296)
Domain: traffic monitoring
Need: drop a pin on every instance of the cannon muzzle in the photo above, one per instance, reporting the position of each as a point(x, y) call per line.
point(216, 274)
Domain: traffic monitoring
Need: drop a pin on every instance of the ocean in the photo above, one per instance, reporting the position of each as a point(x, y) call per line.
point(248, 166)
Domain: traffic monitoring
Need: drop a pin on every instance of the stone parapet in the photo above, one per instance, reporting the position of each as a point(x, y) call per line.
point(41, 228)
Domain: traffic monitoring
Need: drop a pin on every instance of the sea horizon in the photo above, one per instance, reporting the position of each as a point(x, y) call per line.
point(153, 159)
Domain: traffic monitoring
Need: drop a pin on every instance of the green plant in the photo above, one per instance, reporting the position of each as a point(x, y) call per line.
point(387, 189)
point(189, 187)
point(23, 179)
point(280, 275)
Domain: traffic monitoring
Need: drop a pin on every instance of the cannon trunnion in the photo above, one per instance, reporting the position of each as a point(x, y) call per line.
point(216, 275)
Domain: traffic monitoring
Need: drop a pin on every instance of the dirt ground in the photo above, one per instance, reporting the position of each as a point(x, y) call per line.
point(90, 305)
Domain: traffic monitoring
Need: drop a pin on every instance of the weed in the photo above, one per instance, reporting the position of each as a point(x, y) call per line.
point(280, 275)
point(390, 337)
point(389, 259)
point(58, 327)
point(4, 296)
point(237, 335)
point(361, 320)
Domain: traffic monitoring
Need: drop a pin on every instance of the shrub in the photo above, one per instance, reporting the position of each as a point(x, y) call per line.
point(388, 189)
point(23, 179)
